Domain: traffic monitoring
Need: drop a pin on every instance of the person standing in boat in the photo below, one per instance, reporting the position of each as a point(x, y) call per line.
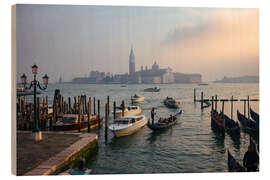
point(251, 160)
point(153, 115)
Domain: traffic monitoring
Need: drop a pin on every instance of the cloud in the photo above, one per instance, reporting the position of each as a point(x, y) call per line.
point(223, 38)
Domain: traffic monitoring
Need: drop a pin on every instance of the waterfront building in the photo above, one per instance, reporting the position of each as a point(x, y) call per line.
point(155, 75)
point(187, 78)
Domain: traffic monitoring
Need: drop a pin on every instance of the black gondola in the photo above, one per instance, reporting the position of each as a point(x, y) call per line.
point(253, 144)
point(231, 126)
point(247, 123)
point(254, 115)
point(233, 165)
point(164, 123)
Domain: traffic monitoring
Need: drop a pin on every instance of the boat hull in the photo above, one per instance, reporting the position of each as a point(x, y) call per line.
point(233, 165)
point(160, 126)
point(249, 125)
point(137, 100)
point(74, 127)
point(170, 105)
point(131, 129)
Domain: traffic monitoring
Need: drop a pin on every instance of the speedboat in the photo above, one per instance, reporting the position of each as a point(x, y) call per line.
point(171, 103)
point(155, 89)
point(129, 111)
point(127, 125)
point(137, 99)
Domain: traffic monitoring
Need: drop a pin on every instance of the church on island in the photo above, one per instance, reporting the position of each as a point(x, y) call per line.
point(155, 75)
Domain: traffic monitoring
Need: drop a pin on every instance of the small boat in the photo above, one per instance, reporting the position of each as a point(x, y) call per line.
point(155, 89)
point(70, 122)
point(231, 126)
point(171, 103)
point(129, 111)
point(247, 123)
point(127, 125)
point(123, 86)
point(233, 165)
point(203, 84)
point(136, 98)
point(254, 115)
point(164, 123)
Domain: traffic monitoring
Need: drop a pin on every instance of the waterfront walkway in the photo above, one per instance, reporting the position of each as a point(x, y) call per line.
point(51, 155)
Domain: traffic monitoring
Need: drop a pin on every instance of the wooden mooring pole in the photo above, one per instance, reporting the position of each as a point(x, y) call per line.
point(216, 103)
point(98, 116)
point(79, 114)
point(194, 96)
point(114, 110)
point(106, 120)
point(222, 108)
point(212, 101)
point(123, 108)
point(108, 102)
point(89, 115)
point(245, 108)
point(69, 105)
point(202, 100)
point(232, 108)
point(94, 101)
point(248, 107)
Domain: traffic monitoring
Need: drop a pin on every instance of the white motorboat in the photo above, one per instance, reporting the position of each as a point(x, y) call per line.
point(128, 125)
point(137, 99)
point(129, 111)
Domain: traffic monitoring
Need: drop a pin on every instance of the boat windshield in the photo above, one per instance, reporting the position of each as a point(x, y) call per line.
point(122, 121)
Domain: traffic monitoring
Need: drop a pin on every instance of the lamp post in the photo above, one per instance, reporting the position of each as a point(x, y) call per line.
point(35, 84)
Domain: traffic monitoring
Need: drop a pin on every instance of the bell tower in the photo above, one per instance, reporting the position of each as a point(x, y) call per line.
point(131, 62)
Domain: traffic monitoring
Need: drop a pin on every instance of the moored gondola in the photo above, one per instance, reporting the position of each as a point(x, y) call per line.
point(247, 124)
point(253, 145)
point(232, 127)
point(164, 123)
point(233, 165)
point(217, 121)
point(254, 115)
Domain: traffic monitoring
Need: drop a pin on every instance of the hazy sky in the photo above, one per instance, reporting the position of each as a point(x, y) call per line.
point(73, 40)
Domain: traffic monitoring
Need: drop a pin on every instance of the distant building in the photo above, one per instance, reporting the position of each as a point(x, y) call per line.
point(187, 78)
point(242, 79)
point(155, 75)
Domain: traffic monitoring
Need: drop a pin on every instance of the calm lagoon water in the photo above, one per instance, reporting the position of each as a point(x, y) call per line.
point(189, 146)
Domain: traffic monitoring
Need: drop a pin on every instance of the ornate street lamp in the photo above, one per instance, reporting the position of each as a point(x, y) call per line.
point(35, 84)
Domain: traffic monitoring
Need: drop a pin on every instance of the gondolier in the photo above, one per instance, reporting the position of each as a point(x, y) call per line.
point(251, 160)
point(153, 115)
